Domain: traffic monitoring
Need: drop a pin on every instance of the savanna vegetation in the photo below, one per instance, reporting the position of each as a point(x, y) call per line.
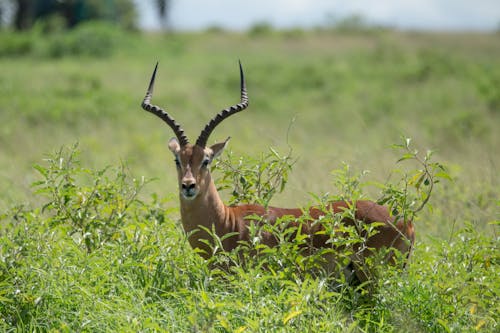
point(90, 238)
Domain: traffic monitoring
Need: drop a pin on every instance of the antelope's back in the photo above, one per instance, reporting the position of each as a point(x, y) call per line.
point(399, 235)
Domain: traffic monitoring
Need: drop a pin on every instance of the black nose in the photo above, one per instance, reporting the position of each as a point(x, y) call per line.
point(188, 187)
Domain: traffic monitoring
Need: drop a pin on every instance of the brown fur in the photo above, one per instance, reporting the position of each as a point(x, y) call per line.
point(206, 210)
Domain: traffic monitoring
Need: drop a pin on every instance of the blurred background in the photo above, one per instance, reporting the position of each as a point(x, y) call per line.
point(482, 15)
point(337, 82)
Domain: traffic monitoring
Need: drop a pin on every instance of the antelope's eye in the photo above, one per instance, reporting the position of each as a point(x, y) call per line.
point(177, 162)
point(205, 163)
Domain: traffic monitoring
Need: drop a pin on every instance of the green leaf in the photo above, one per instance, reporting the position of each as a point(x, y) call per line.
point(407, 156)
point(443, 175)
point(43, 171)
point(291, 315)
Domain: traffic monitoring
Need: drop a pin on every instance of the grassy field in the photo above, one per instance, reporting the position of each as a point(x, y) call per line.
point(332, 98)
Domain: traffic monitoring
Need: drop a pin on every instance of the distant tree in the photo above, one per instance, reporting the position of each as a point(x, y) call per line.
point(23, 18)
point(163, 7)
point(73, 12)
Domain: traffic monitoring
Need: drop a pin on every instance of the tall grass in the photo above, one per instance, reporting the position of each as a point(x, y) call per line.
point(94, 257)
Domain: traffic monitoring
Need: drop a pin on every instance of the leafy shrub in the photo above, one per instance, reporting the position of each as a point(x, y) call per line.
point(413, 191)
point(91, 237)
point(92, 212)
point(90, 39)
point(93, 257)
point(95, 39)
point(254, 180)
point(450, 286)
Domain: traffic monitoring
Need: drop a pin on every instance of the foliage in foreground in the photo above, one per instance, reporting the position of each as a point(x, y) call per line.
point(96, 258)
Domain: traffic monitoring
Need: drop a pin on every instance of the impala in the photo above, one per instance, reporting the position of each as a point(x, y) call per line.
point(202, 209)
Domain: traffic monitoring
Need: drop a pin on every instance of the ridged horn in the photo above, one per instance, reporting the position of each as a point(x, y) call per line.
point(203, 138)
point(156, 110)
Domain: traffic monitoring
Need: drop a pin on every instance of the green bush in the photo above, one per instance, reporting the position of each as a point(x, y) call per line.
point(261, 29)
point(254, 180)
point(451, 285)
point(95, 257)
point(15, 44)
point(93, 39)
point(89, 39)
point(257, 180)
point(93, 212)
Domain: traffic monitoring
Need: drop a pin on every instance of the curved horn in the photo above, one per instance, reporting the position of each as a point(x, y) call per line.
point(156, 110)
point(202, 139)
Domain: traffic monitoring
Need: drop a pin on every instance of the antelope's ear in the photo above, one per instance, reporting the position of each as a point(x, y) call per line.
point(174, 146)
point(218, 148)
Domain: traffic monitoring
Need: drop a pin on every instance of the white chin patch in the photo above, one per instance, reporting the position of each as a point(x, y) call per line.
point(189, 195)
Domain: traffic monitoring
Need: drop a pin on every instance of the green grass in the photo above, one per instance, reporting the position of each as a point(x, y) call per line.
point(332, 98)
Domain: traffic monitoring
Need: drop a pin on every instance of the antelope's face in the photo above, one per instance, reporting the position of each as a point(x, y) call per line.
point(193, 166)
point(193, 161)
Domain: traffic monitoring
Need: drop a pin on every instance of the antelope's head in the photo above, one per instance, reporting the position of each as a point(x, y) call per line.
point(193, 161)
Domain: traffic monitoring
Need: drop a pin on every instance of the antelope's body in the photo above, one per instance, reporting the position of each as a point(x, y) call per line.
point(208, 210)
point(202, 208)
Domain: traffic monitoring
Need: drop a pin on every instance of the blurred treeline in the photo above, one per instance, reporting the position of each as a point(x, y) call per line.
point(57, 14)
point(59, 28)
point(56, 28)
